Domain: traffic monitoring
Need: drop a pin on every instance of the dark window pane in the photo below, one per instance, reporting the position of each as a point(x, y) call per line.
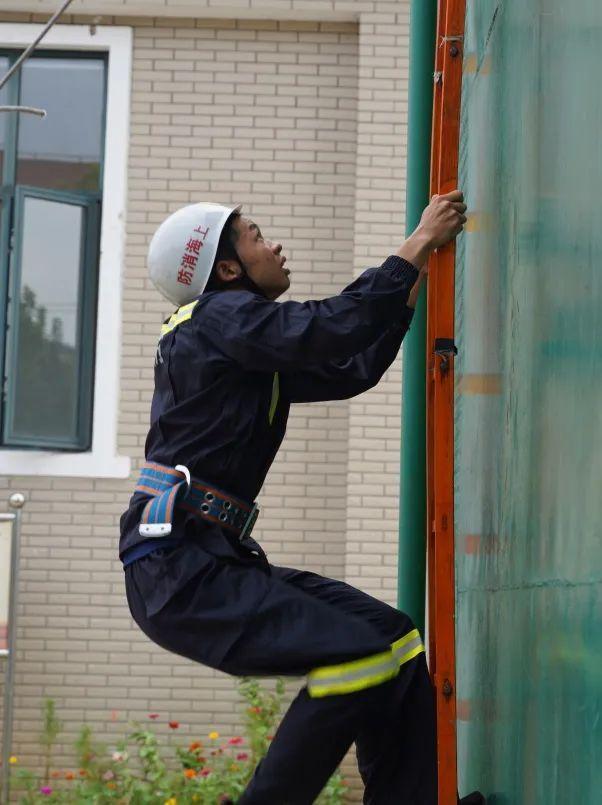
point(63, 151)
point(3, 115)
point(46, 393)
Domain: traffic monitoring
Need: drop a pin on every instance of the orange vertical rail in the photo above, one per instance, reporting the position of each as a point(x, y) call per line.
point(440, 399)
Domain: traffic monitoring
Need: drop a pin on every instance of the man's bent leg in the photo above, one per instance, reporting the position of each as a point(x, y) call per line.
point(246, 622)
point(396, 750)
point(310, 743)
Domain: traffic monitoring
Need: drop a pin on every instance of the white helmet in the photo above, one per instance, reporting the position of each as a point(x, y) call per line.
point(183, 249)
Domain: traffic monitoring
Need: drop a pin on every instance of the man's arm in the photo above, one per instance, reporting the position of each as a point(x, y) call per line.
point(417, 248)
point(413, 297)
point(340, 380)
point(344, 379)
point(263, 335)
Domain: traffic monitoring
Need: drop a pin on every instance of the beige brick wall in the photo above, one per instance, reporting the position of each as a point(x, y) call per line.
point(292, 118)
point(374, 417)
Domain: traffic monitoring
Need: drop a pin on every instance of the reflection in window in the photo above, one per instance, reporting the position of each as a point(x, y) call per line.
point(49, 223)
point(48, 339)
point(4, 65)
point(62, 151)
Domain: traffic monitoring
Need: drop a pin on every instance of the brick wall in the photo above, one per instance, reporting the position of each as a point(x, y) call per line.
point(304, 123)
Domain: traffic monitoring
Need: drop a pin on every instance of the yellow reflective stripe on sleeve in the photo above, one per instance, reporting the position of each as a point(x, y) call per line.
point(366, 672)
point(275, 396)
point(182, 314)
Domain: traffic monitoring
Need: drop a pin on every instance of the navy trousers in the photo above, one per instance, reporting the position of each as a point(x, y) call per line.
point(252, 618)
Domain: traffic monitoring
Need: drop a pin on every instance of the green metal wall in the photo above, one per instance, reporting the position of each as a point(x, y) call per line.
point(528, 430)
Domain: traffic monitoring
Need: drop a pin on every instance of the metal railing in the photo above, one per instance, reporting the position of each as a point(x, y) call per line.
point(16, 503)
point(24, 56)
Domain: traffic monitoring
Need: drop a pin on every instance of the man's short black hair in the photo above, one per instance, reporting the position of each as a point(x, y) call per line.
point(226, 250)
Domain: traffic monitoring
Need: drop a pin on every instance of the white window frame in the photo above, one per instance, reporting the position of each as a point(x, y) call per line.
point(102, 461)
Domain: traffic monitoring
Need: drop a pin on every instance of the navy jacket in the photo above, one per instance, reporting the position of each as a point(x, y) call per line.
point(226, 375)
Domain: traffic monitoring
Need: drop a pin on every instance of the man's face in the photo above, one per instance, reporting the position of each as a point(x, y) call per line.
point(262, 259)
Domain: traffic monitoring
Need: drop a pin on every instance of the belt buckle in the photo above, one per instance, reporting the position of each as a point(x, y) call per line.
point(250, 522)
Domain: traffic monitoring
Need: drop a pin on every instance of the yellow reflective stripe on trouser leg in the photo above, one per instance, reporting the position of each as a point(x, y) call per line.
point(407, 647)
point(349, 677)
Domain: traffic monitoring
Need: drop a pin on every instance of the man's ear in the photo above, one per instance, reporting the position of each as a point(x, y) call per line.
point(228, 270)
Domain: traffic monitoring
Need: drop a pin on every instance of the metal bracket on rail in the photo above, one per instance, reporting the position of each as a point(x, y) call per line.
point(445, 348)
point(454, 49)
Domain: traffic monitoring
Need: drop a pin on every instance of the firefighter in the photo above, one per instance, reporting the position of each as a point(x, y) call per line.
point(228, 365)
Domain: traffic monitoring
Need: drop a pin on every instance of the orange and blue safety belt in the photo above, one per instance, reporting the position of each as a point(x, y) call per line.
point(170, 488)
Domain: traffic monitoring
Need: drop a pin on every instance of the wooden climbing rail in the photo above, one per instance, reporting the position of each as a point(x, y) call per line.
point(440, 398)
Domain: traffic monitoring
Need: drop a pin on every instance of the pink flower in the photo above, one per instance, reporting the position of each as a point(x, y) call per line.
point(45, 790)
point(153, 715)
point(108, 775)
point(234, 741)
point(205, 772)
point(242, 756)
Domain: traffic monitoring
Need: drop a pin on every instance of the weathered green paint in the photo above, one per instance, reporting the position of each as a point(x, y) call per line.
point(412, 523)
point(528, 459)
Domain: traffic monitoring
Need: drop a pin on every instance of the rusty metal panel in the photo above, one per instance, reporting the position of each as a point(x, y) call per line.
point(528, 404)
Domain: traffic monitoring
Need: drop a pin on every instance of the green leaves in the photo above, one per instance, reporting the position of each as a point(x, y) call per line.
point(203, 772)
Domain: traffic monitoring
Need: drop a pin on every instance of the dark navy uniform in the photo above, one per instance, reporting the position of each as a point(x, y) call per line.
point(227, 368)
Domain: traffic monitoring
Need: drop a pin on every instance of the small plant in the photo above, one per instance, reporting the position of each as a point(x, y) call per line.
point(52, 727)
point(205, 772)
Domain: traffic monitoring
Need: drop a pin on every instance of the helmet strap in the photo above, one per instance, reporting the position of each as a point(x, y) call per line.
point(246, 280)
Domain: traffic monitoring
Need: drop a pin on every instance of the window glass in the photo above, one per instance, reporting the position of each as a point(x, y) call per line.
point(46, 382)
point(3, 115)
point(62, 151)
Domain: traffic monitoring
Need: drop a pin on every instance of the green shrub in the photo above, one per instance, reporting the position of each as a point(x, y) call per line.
point(207, 772)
